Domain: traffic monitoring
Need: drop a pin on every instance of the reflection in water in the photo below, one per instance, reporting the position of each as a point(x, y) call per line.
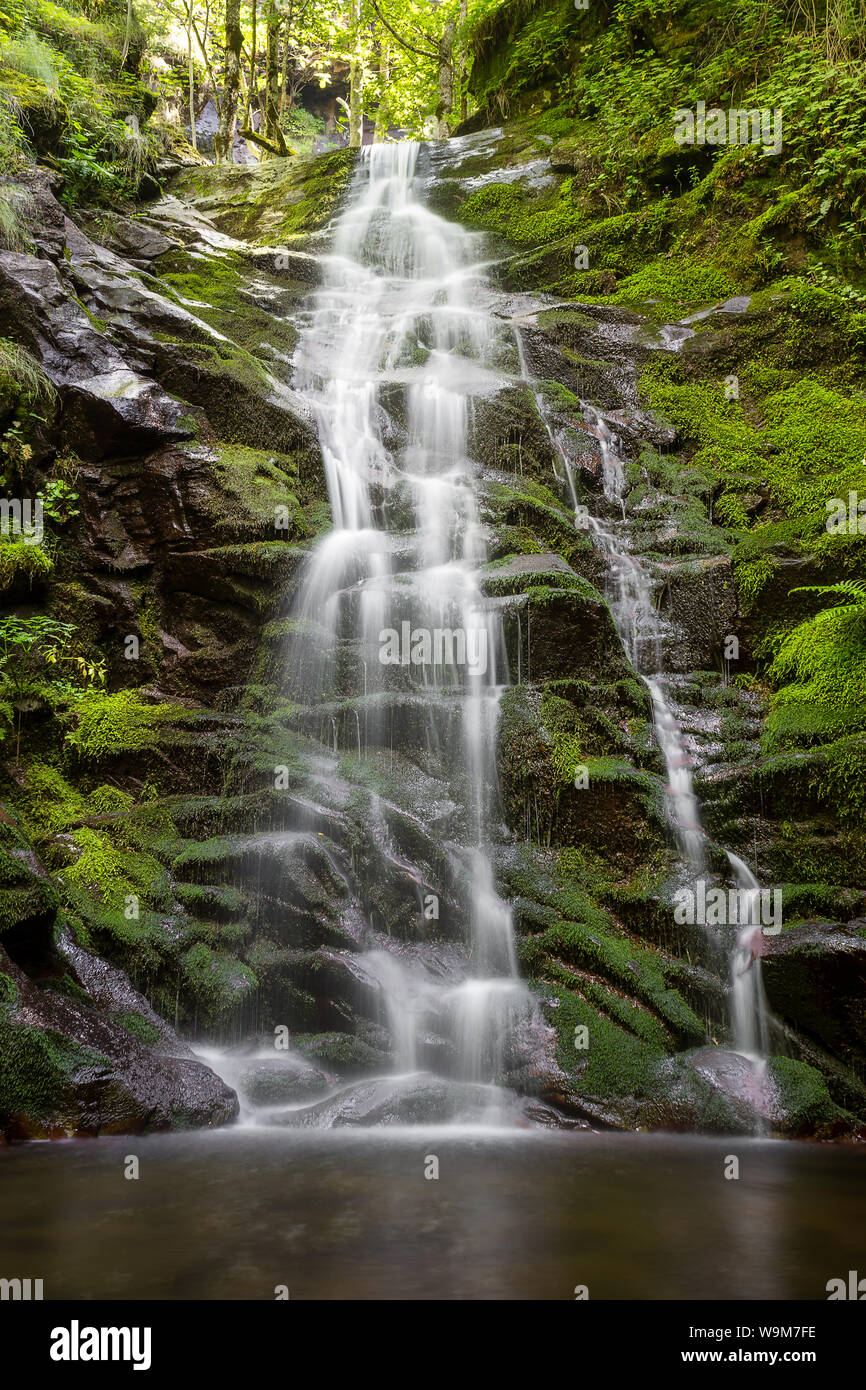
point(349, 1214)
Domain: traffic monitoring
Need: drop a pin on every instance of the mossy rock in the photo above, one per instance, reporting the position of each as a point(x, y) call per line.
point(44, 115)
point(281, 201)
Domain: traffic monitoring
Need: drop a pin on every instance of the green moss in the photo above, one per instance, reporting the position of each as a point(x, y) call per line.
point(615, 1062)
point(550, 581)
point(51, 805)
point(520, 217)
point(278, 203)
point(108, 800)
point(113, 874)
point(138, 1026)
point(678, 283)
point(256, 487)
point(21, 560)
point(216, 290)
point(617, 961)
point(40, 1075)
point(106, 725)
point(804, 1096)
point(219, 983)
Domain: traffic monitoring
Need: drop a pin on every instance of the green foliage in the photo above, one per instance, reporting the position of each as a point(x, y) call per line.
point(58, 499)
point(302, 128)
point(16, 211)
point(28, 646)
point(30, 56)
point(21, 559)
point(21, 376)
point(824, 661)
point(621, 72)
point(71, 99)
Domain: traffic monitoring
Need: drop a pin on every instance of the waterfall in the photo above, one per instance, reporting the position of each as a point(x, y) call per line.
point(641, 631)
point(389, 621)
point(750, 1013)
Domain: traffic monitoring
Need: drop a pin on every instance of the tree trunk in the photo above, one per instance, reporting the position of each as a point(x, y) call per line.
point(270, 126)
point(383, 119)
point(128, 33)
point(284, 77)
point(225, 136)
point(464, 66)
point(192, 115)
point(446, 79)
point(253, 45)
point(356, 81)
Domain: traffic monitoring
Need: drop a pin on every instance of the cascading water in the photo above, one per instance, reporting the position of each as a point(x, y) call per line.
point(642, 631)
point(750, 1013)
point(392, 640)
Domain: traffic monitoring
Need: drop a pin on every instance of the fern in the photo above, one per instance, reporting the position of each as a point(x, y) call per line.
point(823, 662)
point(854, 589)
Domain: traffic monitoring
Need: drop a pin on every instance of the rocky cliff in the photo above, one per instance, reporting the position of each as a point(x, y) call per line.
point(159, 886)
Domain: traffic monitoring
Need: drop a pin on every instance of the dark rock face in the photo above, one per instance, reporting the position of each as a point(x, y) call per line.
point(193, 465)
point(111, 407)
point(815, 978)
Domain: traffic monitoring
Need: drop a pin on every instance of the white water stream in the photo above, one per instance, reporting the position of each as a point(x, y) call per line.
point(388, 361)
point(641, 631)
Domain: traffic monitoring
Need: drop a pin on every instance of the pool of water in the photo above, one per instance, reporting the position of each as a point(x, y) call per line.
point(350, 1215)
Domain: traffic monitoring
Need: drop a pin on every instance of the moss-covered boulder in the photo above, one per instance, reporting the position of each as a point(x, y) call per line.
point(69, 1070)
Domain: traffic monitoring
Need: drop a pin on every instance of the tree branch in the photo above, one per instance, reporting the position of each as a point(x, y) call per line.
point(279, 148)
point(423, 52)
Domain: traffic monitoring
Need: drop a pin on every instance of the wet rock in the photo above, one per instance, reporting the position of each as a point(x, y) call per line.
point(110, 408)
point(269, 202)
point(270, 1081)
point(570, 632)
point(417, 1099)
point(699, 599)
point(134, 240)
point(69, 1070)
point(109, 990)
point(785, 1097)
point(512, 575)
point(815, 978)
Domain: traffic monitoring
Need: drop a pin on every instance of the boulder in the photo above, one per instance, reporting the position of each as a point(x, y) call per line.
point(71, 1070)
point(815, 979)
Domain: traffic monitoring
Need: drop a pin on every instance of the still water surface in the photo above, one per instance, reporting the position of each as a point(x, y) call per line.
point(350, 1215)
